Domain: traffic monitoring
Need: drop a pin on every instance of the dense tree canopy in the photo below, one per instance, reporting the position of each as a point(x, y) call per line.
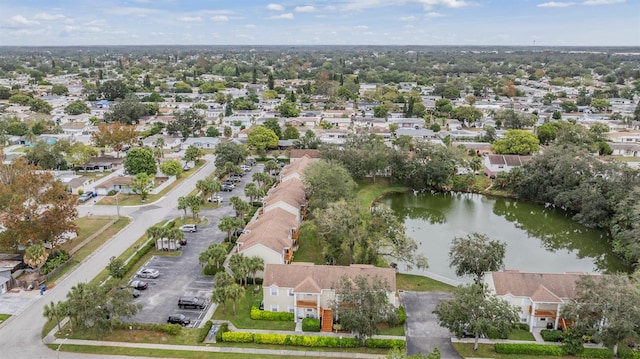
point(140, 160)
point(475, 254)
point(517, 142)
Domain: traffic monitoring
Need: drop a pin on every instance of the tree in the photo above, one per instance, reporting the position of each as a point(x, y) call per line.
point(59, 90)
point(255, 264)
point(229, 224)
point(443, 106)
point(607, 307)
point(252, 191)
point(241, 207)
point(288, 109)
point(363, 305)
point(37, 207)
point(636, 113)
point(514, 120)
point(47, 156)
point(271, 166)
point(212, 132)
point(274, 126)
point(195, 204)
point(476, 254)
point(569, 106)
point(140, 160)
point(193, 154)
point(80, 154)
point(183, 204)
point(142, 184)
point(113, 89)
point(171, 167)
point(262, 138)
point(35, 256)
point(381, 111)
point(230, 152)
point(53, 311)
point(234, 292)
point(186, 123)
point(208, 186)
point(517, 142)
point(116, 268)
point(239, 265)
point(40, 106)
point(327, 181)
point(223, 280)
point(468, 114)
point(600, 104)
point(547, 133)
point(474, 310)
point(340, 229)
point(214, 255)
point(127, 111)
point(115, 135)
point(76, 108)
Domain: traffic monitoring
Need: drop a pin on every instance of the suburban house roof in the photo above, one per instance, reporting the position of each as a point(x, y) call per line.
point(298, 154)
point(310, 278)
point(296, 167)
point(277, 217)
point(271, 234)
point(292, 186)
point(509, 160)
point(115, 181)
point(540, 287)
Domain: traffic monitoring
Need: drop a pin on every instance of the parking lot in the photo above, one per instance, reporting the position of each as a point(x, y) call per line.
point(181, 275)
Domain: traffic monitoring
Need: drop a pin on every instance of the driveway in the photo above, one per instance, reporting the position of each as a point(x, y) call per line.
point(422, 330)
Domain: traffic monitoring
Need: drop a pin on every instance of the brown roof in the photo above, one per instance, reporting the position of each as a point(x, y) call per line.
point(509, 160)
point(315, 154)
point(310, 278)
point(522, 284)
point(105, 159)
point(293, 187)
point(115, 181)
point(296, 166)
point(289, 198)
point(278, 216)
point(270, 234)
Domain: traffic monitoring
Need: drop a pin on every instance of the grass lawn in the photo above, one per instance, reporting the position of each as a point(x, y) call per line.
point(134, 199)
point(420, 283)
point(488, 351)
point(309, 251)
point(397, 330)
point(368, 192)
point(519, 334)
point(4, 317)
point(243, 320)
point(622, 159)
point(187, 336)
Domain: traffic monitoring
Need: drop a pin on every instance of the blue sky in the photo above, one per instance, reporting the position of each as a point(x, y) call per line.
point(323, 22)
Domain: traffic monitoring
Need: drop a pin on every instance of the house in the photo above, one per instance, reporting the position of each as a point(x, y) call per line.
point(201, 142)
point(296, 168)
point(169, 142)
point(103, 163)
point(307, 290)
point(287, 195)
point(119, 184)
point(494, 164)
point(539, 296)
point(625, 149)
point(297, 154)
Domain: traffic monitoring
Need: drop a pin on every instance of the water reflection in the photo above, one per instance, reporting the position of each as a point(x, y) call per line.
point(538, 238)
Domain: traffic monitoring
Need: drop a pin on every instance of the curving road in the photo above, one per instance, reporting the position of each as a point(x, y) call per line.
point(20, 336)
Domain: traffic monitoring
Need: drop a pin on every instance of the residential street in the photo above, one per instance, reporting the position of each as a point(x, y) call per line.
point(20, 335)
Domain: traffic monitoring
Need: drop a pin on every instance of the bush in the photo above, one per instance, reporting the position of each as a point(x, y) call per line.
point(402, 315)
point(237, 337)
point(139, 254)
point(171, 329)
point(310, 325)
point(596, 353)
point(210, 269)
point(257, 314)
point(522, 326)
point(385, 343)
point(205, 331)
point(550, 335)
point(529, 349)
point(55, 260)
point(627, 353)
point(276, 339)
point(224, 327)
point(112, 192)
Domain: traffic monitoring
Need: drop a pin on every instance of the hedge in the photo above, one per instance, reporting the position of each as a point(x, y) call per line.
point(171, 329)
point(310, 325)
point(224, 327)
point(237, 337)
point(402, 315)
point(530, 349)
point(522, 326)
point(257, 314)
point(310, 340)
point(205, 331)
point(552, 335)
point(596, 353)
point(627, 353)
point(385, 343)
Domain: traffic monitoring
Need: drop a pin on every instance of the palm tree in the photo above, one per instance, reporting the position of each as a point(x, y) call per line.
point(261, 178)
point(214, 254)
point(235, 292)
point(183, 204)
point(52, 311)
point(208, 186)
point(35, 256)
point(223, 280)
point(229, 224)
point(271, 166)
point(155, 232)
point(252, 191)
point(255, 264)
point(174, 234)
point(239, 265)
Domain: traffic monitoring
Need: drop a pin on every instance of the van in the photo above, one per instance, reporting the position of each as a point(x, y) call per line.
point(189, 228)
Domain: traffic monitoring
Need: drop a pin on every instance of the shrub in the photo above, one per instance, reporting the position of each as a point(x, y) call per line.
point(112, 192)
point(237, 337)
point(402, 315)
point(310, 325)
point(385, 343)
point(529, 349)
point(210, 269)
point(224, 327)
point(627, 353)
point(257, 314)
point(55, 260)
point(596, 353)
point(522, 326)
point(205, 331)
point(277, 339)
point(550, 335)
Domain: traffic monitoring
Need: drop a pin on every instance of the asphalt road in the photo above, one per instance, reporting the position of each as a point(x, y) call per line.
point(423, 333)
point(20, 335)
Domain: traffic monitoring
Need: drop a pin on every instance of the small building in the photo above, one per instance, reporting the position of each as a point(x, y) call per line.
point(494, 164)
point(201, 142)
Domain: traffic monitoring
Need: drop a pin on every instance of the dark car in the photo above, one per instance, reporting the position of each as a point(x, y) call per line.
point(191, 302)
point(138, 284)
point(179, 319)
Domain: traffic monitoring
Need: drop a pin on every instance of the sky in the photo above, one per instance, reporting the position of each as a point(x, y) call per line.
point(323, 22)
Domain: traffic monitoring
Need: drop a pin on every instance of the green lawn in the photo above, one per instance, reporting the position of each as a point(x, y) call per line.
point(368, 191)
point(397, 330)
point(309, 251)
point(187, 336)
point(488, 351)
point(4, 317)
point(519, 334)
point(418, 283)
point(243, 320)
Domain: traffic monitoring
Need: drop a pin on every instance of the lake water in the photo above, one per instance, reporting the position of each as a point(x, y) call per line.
point(538, 239)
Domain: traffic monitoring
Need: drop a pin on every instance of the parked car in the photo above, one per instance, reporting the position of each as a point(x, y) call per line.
point(193, 302)
point(134, 292)
point(227, 188)
point(238, 232)
point(179, 319)
point(229, 183)
point(138, 284)
point(189, 228)
point(215, 199)
point(245, 168)
point(87, 196)
point(149, 273)
point(235, 178)
point(251, 162)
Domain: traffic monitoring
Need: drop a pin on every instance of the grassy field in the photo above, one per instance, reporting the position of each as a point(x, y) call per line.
point(488, 351)
point(418, 283)
point(4, 317)
point(368, 192)
point(243, 318)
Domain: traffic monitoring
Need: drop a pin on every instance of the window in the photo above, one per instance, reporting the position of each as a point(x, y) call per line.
point(291, 292)
point(274, 308)
point(274, 291)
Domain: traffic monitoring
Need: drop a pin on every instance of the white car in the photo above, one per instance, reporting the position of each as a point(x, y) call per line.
point(149, 273)
point(189, 228)
point(246, 168)
point(215, 199)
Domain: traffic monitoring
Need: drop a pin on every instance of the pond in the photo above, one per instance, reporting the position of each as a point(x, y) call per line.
point(539, 238)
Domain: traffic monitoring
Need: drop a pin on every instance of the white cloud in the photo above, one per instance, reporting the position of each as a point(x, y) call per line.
point(21, 20)
point(307, 8)
point(556, 4)
point(250, 26)
point(190, 18)
point(428, 4)
point(361, 27)
point(603, 2)
point(431, 15)
point(285, 16)
point(408, 18)
point(47, 16)
point(220, 18)
point(275, 7)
